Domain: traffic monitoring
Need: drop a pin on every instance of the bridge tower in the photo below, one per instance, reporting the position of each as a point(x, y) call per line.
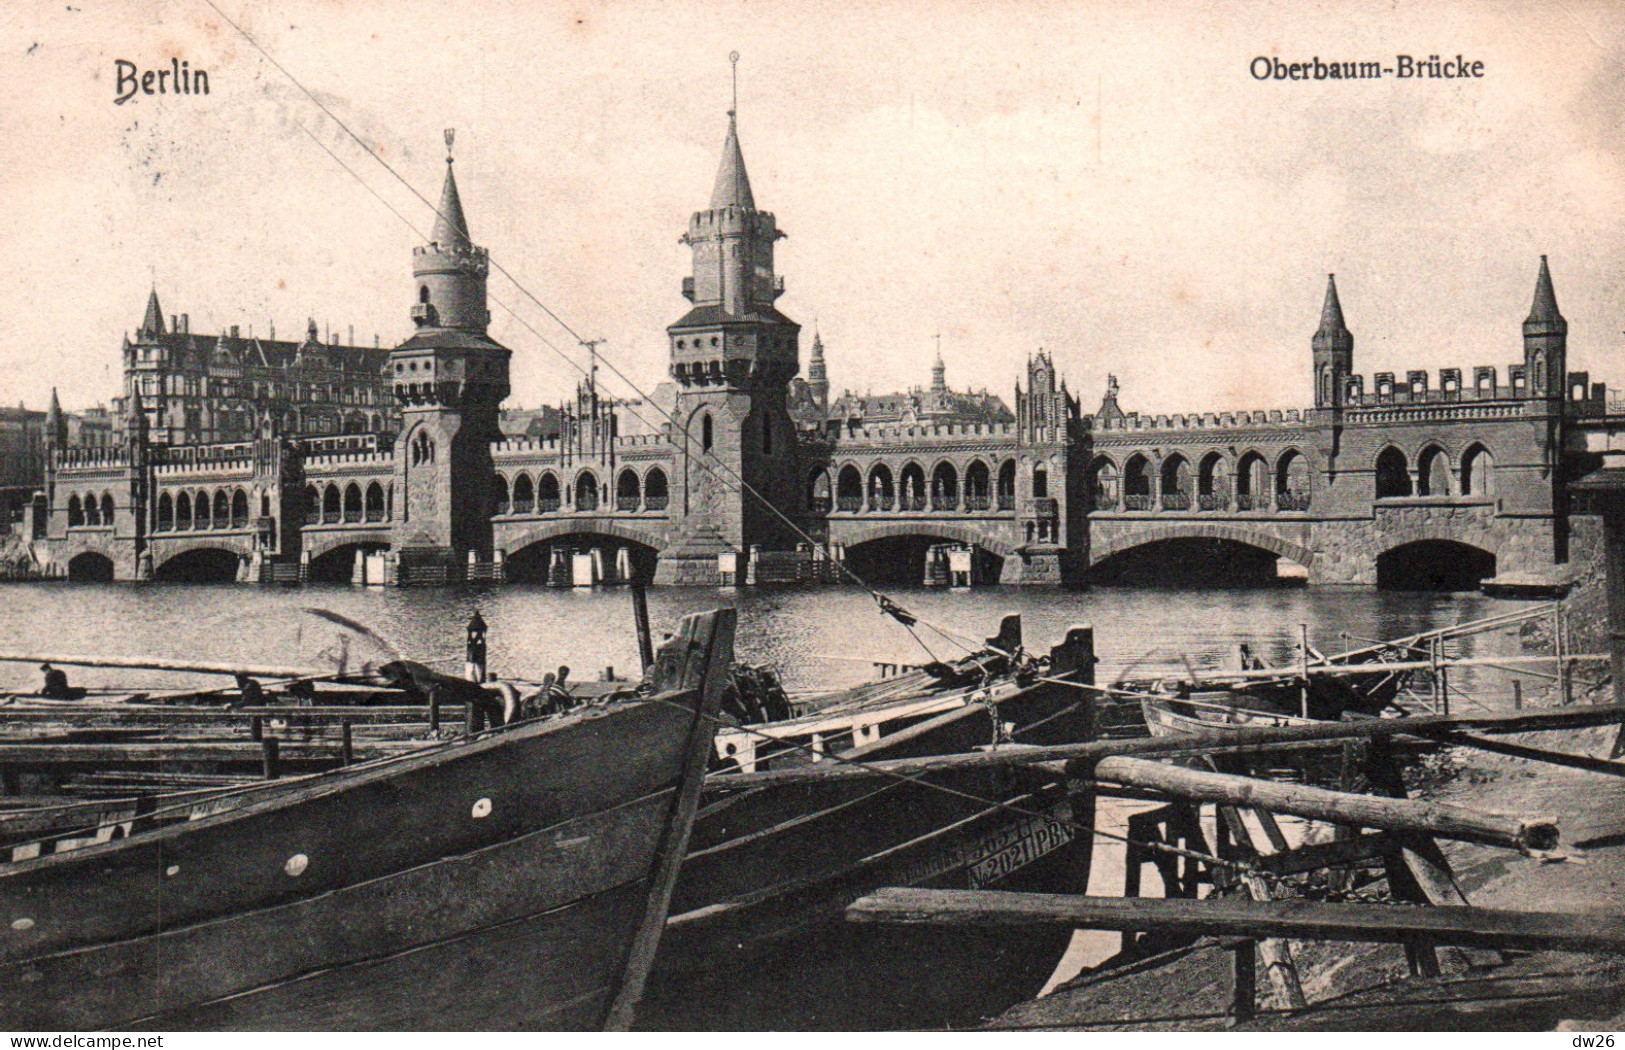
point(732, 356)
point(450, 379)
point(1545, 341)
point(1334, 351)
point(138, 446)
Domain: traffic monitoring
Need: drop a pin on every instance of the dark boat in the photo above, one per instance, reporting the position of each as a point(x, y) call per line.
point(756, 938)
point(515, 879)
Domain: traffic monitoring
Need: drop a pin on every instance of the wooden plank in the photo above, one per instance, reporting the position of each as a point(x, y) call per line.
point(157, 754)
point(107, 985)
point(708, 669)
point(1276, 952)
point(1081, 755)
point(1236, 917)
point(522, 975)
point(1370, 811)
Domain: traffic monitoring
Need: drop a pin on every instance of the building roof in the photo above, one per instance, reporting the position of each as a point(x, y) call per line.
point(733, 185)
point(714, 314)
point(1331, 315)
point(450, 226)
point(449, 339)
point(1544, 308)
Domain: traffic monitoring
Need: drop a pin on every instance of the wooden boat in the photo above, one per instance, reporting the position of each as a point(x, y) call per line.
point(1168, 715)
point(756, 938)
point(515, 879)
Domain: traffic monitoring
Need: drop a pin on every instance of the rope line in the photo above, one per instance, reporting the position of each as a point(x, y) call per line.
point(708, 459)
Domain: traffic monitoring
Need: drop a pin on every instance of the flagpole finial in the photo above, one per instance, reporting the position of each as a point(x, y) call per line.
point(733, 58)
point(451, 137)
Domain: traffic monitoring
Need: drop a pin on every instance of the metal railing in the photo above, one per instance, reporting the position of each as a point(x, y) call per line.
point(849, 504)
point(543, 506)
point(1176, 501)
point(1137, 501)
point(628, 503)
point(1292, 501)
point(656, 502)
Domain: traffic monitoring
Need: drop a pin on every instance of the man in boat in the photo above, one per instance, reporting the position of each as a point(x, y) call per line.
point(56, 685)
point(559, 697)
point(249, 693)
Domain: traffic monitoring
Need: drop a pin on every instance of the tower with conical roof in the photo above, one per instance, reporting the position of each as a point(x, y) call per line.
point(449, 379)
point(1334, 351)
point(818, 375)
point(732, 358)
point(1545, 340)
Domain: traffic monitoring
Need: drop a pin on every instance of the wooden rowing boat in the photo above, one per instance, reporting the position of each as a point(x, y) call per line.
point(756, 938)
point(1202, 713)
point(516, 879)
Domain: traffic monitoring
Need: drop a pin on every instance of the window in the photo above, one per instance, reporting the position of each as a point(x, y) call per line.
point(705, 433)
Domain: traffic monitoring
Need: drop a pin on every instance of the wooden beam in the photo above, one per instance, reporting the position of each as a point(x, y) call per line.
point(148, 754)
point(1083, 755)
point(1237, 917)
point(1337, 807)
point(160, 663)
point(1534, 754)
point(1368, 847)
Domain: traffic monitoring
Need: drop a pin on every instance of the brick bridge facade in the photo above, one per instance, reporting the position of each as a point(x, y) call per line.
point(1475, 464)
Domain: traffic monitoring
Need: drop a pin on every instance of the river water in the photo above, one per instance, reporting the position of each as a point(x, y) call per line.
point(824, 637)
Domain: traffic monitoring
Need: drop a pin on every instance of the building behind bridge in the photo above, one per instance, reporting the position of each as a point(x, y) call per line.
point(256, 460)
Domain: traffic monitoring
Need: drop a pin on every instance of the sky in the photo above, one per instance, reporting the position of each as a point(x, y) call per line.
point(1105, 181)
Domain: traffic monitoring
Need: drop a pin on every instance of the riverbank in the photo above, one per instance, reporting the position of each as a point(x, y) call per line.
point(1368, 987)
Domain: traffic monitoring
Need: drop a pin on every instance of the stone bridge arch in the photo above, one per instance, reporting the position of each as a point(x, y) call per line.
point(328, 544)
point(927, 528)
point(1154, 533)
point(579, 526)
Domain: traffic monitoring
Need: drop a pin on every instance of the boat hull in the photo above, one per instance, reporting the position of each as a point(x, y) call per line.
point(758, 940)
point(507, 881)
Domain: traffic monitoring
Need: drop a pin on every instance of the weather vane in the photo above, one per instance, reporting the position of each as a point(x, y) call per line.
point(733, 57)
point(451, 136)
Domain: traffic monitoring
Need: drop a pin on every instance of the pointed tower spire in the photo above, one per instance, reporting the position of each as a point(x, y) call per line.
point(1333, 346)
point(733, 185)
point(450, 227)
point(153, 323)
point(56, 428)
point(1544, 309)
point(1331, 315)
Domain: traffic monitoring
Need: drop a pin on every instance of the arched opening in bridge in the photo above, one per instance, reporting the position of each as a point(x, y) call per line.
point(90, 567)
point(200, 511)
point(655, 493)
point(239, 509)
point(547, 495)
point(628, 491)
point(1007, 485)
point(900, 561)
point(554, 561)
point(93, 511)
point(330, 505)
point(524, 494)
point(376, 510)
point(912, 496)
point(1393, 474)
point(499, 495)
point(849, 489)
point(1137, 483)
point(1103, 484)
point(819, 498)
point(586, 491)
point(1195, 563)
point(1434, 565)
point(1252, 482)
point(183, 511)
point(166, 513)
point(1176, 483)
point(1432, 472)
point(1477, 472)
point(338, 564)
point(107, 508)
point(978, 480)
point(1212, 486)
point(945, 487)
point(1292, 481)
point(203, 565)
point(882, 495)
point(352, 503)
